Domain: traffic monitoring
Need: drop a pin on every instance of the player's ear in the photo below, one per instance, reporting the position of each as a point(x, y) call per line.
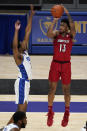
point(20, 121)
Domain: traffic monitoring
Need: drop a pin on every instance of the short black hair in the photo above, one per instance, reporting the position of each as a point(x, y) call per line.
point(65, 20)
point(19, 115)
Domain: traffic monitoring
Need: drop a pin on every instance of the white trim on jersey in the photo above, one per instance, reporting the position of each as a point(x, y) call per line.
point(10, 127)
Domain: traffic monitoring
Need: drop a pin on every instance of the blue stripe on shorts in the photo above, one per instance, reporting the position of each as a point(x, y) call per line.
point(21, 91)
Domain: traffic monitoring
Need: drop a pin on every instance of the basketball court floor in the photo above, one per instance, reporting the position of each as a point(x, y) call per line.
point(37, 107)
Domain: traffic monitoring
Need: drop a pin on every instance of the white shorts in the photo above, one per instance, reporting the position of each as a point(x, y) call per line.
point(22, 88)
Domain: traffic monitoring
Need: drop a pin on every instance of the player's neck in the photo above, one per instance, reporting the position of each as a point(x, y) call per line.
point(19, 126)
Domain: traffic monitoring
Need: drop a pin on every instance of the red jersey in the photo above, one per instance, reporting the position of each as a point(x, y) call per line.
point(62, 48)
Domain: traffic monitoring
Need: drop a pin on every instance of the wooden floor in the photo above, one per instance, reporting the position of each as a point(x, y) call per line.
point(40, 70)
point(40, 67)
point(37, 122)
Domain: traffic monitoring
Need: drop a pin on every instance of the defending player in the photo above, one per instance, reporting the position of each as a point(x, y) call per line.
point(20, 121)
point(22, 60)
point(61, 65)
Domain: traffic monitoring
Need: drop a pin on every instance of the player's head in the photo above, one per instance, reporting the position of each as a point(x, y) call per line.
point(20, 119)
point(64, 25)
point(21, 46)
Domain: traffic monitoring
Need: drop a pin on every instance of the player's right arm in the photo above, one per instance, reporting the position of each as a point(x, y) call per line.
point(29, 26)
point(51, 33)
point(16, 54)
point(72, 24)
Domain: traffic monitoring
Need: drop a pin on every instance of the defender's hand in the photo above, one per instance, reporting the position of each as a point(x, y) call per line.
point(32, 10)
point(17, 25)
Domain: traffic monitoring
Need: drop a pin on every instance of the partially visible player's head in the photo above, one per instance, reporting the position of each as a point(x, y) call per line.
point(20, 119)
point(64, 25)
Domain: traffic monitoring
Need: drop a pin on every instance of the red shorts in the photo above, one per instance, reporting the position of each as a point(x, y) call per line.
point(62, 70)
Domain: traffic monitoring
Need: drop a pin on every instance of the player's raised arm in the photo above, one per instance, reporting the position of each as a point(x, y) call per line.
point(72, 25)
point(51, 33)
point(15, 40)
point(29, 25)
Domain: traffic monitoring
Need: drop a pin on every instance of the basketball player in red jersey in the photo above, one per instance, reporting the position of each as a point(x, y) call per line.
point(61, 65)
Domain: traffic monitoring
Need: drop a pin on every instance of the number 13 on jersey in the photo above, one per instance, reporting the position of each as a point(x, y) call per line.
point(62, 47)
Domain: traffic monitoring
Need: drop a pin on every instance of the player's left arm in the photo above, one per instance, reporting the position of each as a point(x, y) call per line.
point(29, 25)
point(71, 22)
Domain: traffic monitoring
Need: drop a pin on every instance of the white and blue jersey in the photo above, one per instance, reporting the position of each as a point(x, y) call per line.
point(22, 84)
point(10, 127)
point(25, 67)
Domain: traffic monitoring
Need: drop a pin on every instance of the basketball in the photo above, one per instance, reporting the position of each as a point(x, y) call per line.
point(57, 11)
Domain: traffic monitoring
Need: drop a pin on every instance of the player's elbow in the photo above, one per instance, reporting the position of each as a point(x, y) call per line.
point(49, 35)
point(28, 28)
point(74, 33)
point(14, 45)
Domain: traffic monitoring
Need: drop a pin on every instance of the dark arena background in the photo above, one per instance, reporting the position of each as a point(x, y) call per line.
point(41, 51)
